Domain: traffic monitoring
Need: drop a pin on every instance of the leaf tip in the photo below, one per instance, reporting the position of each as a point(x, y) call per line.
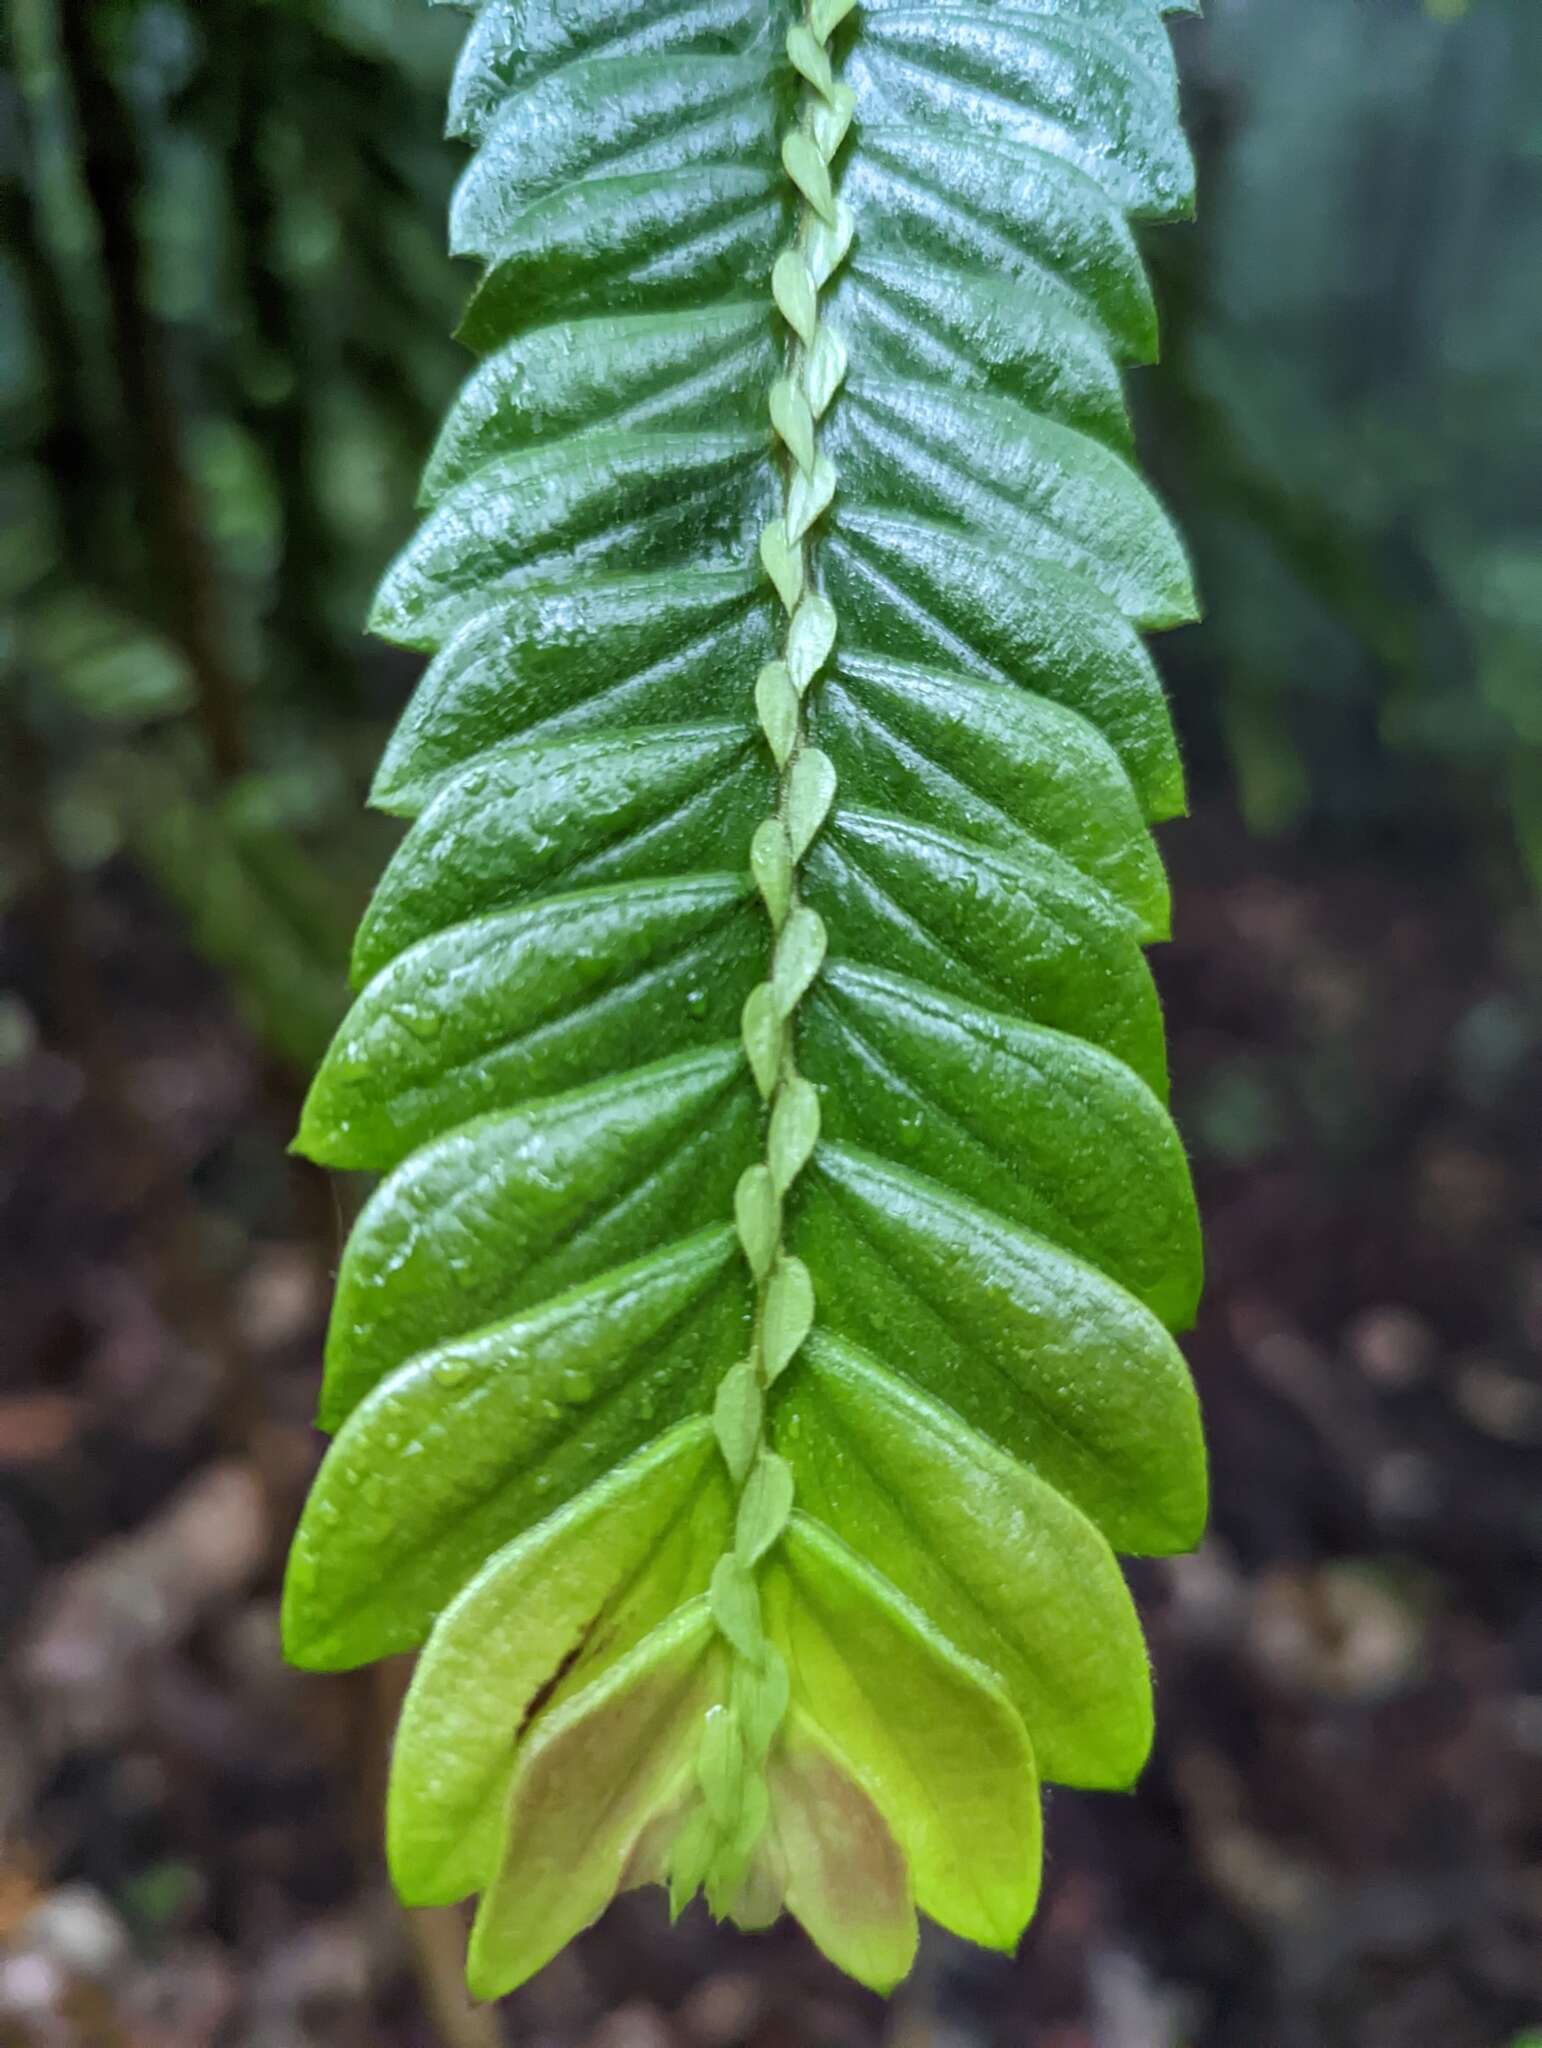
point(304, 1643)
point(394, 790)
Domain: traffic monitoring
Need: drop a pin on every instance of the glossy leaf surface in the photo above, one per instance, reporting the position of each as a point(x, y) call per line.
point(759, 1340)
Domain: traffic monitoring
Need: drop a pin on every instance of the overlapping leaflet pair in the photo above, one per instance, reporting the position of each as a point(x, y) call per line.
point(758, 1346)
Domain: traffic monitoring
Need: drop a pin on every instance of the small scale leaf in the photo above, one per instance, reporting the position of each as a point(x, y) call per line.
point(737, 1416)
point(777, 702)
point(825, 370)
point(794, 1132)
point(810, 172)
point(793, 289)
point(730, 1866)
point(809, 497)
point(765, 1034)
point(758, 1214)
point(800, 952)
point(809, 56)
point(690, 1858)
point(810, 792)
point(810, 639)
point(771, 859)
point(764, 1507)
point(789, 1315)
point(761, 1690)
point(783, 562)
point(735, 1603)
point(828, 126)
point(720, 1766)
point(791, 417)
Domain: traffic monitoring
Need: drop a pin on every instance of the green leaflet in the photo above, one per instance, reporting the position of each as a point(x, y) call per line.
point(759, 1341)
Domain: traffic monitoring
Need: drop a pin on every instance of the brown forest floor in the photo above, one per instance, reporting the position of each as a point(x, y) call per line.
point(1339, 1843)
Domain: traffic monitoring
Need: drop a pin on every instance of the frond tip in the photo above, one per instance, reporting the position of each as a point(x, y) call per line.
point(759, 1341)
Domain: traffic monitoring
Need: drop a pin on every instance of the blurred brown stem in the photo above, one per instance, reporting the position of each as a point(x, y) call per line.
point(436, 1935)
point(438, 1938)
point(167, 508)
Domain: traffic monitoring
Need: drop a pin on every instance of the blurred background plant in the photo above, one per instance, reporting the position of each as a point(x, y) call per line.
point(1351, 418)
point(224, 311)
point(224, 314)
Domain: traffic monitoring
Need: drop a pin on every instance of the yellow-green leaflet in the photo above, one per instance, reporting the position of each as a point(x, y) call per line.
point(759, 1340)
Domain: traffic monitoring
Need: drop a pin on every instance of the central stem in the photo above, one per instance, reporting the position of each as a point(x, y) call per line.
point(717, 1845)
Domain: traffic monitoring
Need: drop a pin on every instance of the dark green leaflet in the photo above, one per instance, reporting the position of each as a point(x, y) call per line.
point(760, 1335)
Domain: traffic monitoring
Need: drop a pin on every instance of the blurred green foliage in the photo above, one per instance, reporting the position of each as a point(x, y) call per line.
point(224, 309)
point(1351, 413)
